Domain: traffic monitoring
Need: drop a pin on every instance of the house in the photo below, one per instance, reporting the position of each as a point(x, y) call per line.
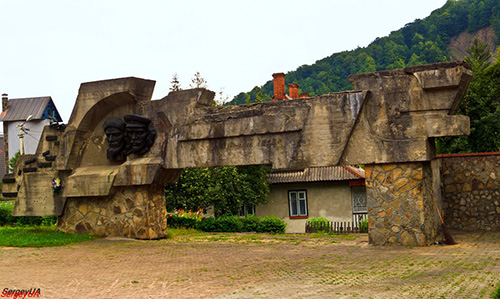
point(33, 114)
point(336, 193)
point(3, 167)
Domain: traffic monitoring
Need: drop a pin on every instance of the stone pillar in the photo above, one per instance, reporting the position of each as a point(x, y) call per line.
point(401, 210)
point(132, 211)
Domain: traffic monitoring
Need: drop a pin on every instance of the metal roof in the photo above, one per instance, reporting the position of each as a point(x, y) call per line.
point(20, 109)
point(317, 174)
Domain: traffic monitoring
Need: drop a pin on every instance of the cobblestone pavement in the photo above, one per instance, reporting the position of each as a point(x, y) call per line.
point(255, 265)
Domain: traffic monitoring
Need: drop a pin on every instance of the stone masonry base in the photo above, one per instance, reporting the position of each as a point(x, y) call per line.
point(400, 207)
point(132, 212)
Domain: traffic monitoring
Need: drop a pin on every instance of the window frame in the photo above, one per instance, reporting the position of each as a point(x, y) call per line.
point(290, 204)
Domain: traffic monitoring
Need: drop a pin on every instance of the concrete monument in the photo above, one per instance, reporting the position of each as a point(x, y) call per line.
point(114, 171)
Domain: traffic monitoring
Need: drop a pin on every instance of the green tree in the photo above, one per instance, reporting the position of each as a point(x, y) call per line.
point(481, 104)
point(13, 162)
point(225, 189)
point(176, 85)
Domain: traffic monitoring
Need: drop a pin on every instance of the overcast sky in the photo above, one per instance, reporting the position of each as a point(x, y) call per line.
point(48, 48)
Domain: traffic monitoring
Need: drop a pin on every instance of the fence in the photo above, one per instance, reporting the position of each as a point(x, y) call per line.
point(334, 227)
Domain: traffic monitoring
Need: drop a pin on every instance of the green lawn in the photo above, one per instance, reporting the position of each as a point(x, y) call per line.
point(37, 236)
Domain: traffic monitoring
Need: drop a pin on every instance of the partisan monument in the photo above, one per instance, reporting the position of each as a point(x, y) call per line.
point(120, 147)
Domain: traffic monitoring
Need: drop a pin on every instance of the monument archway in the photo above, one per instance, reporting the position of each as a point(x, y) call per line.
point(388, 123)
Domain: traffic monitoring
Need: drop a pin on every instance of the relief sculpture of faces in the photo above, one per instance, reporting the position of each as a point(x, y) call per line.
point(132, 135)
point(115, 130)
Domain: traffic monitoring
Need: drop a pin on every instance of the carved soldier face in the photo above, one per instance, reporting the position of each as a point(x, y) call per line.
point(114, 137)
point(140, 135)
point(137, 139)
point(114, 128)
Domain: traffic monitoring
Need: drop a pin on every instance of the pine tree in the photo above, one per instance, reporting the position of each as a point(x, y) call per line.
point(176, 86)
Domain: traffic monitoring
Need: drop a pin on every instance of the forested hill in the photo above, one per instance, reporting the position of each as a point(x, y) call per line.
point(420, 42)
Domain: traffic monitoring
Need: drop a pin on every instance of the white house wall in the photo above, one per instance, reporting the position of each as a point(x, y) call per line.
point(330, 200)
point(31, 137)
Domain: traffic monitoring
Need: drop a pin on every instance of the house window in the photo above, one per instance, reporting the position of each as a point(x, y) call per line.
point(297, 203)
point(247, 209)
point(359, 200)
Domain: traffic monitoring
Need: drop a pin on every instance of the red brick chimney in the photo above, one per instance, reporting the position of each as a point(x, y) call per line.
point(303, 95)
point(293, 89)
point(279, 87)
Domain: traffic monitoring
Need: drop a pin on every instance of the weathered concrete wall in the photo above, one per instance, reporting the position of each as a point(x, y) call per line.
point(471, 184)
point(400, 206)
point(330, 200)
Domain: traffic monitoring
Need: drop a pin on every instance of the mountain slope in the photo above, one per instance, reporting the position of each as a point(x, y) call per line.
point(442, 36)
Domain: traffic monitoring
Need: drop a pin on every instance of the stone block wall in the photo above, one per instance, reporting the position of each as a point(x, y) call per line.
point(471, 184)
point(132, 212)
point(400, 206)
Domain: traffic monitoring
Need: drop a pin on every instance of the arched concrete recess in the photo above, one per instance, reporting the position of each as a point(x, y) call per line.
point(388, 123)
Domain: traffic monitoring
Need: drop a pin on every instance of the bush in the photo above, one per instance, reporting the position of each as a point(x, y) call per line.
point(319, 224)
point(178, 222)
point(250, 223)
point(6, 217)
point(363, 226)
point(496, 293)
point(271, 224)
point(222, 224)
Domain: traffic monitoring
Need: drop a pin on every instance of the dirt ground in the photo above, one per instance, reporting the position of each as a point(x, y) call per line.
point(254, 265)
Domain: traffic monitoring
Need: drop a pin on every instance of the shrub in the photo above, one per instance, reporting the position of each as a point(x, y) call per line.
point(6, 217)
point(250, 223)
point(178, 222)
point(319, 224)
point(496, 293)
point(271, 224)
point(222, 224)
point(363, 226)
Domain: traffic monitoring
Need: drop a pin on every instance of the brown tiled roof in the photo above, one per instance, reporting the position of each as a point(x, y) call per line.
point(20, 109)
point(317, 174)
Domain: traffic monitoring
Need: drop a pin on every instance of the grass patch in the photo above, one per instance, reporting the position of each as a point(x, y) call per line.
point(37, 236)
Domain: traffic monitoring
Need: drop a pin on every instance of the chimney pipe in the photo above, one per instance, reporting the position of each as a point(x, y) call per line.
point(293, 89)
point(5, 101)
point(279, 87)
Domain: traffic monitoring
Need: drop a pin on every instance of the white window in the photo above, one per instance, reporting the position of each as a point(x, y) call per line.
point(298, 203)
point(359, 199)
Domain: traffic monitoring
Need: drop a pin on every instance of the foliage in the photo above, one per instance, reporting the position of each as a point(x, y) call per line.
point(222, 224)
point(481, 104)
point(198, 81)
point(320, 223)
point(271, 224)
point(250, 223)
point(225, 189)
point(419, 42)
point(180, 218)
point(13, 162)
point(176, 85)
point(363, 226)
point(6, 217)
point(37, 237)
point(496, 293)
